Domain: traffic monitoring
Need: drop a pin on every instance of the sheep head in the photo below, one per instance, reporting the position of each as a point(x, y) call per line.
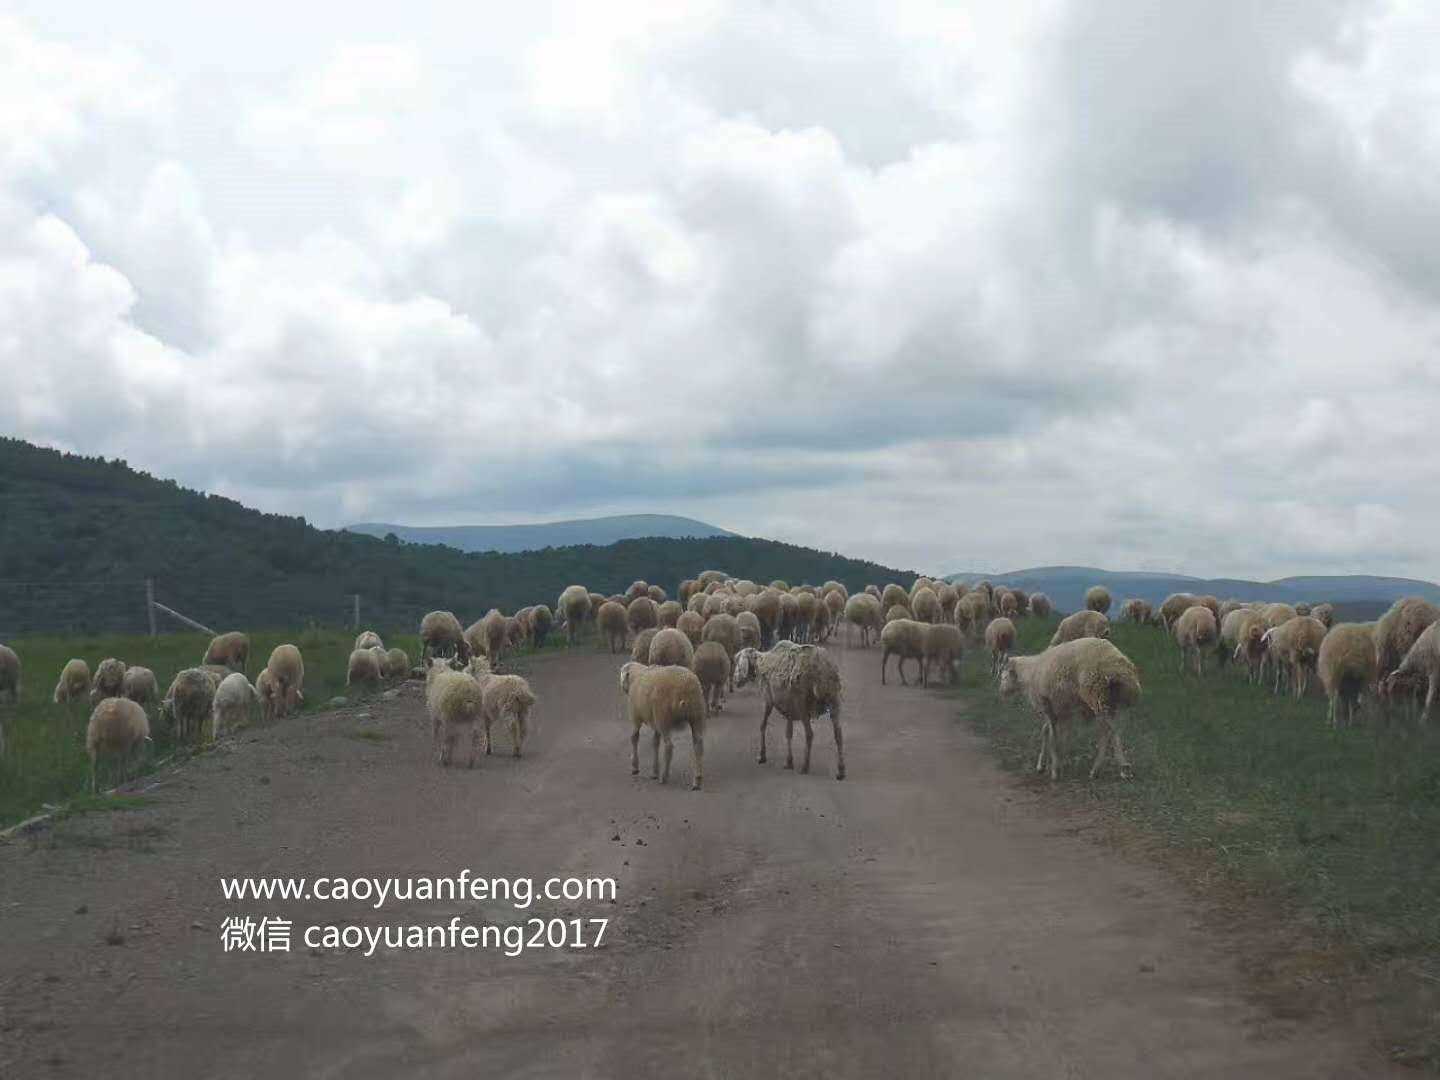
point(1010, 685)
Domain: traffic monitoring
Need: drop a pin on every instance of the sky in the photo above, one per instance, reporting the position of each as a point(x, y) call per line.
point(951, 286)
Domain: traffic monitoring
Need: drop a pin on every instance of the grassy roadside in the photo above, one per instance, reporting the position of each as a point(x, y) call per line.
point(1329, 842)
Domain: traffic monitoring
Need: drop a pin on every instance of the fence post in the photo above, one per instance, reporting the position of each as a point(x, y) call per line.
point(150, 603)
point(356, 620)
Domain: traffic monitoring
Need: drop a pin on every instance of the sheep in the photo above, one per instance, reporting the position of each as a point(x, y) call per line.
point(614, 630)
point(1007, 605)
point(1195, 631)
point(265, 693)
point(820, 623)
point(573, 608)
point(692, 625)
point(766, 606)
point(1081, 624)
point(892, 595)
point(862, 611)
point(493, 634)
point(1399, 628)
point(835, 602)
point(541, 622)
point(140, 686)
point(1421, 661)
point(396, 664)
point(747, 625)
point(636, 590)
point(805, 604)
point(1348, 667)
point(1243, 636)
point(1277, 614)
point(668, 614)
point(905, 640)
point(802, 682)
point(118, 727)
point(1325, 613)
point(287, 677)
point(944, 645)
point(456, 705)
point(1040, 605)
point(686, 589)
point(999, 639)
point(362, 669)
point(1022, 601)
point(441, 635)
point(503, 698)
point(926, 605)
point(233, 698)
point(670, 646)
point(666, 698)
point(725, 630)
point(640, 652)
point(642, 614)
point(1226, 608)
point(73, 682)
point(368, 639)
point(189, 701)
point(1173, 607)
point(713, 667)
point(230, 650)
point(970, 612)
point(108, 681)
point(1097, 598)
point(1084, 679)
point(899, 611)
point(9, 676)
point(1295, 644)
point(1136, 610)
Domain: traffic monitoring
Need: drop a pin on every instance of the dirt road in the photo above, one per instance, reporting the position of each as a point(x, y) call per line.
point(924, 918)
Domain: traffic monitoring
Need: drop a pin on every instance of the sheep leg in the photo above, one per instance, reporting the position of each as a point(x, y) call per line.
point(1044, 738)
point(809, 742)
point(900, 667)
point(1120, 758)
point(697, 742)
point(884, 660)
point(839, 746)
point(635, 750)
point(1430, 690)
point(655, 745)
point(515, 735)
point(789, 733)
point(1101, 749)
point(92, 776)
point(764, 722)
point(474, 747)
point(668, 754)
point(487, 737)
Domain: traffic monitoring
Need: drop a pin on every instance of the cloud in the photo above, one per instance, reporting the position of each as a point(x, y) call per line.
point(942, 285)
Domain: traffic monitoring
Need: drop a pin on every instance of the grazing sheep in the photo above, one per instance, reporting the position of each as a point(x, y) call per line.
point(441, 635)
point(666, 698)
point(1399, 628)
point(642, 614)
point(574, 608)
point(231, 706)
point(287, 677)
point(188, 702)
point(1276, 614)
point(541, 622)
point(496, 630)
point(73, 682)
point(456, 705)
point(945, 646)
point(1007, 605)
point(118, 727)
point(140, 686)
point(369, 639)
point(396, 664)
point(1422, 662)
point(9, 676)
point(505, 699)
point(1325, 613)
point(670, 646)
point(1022, 601)
point(1348, 668)
point(230, 650)
point(640, 651)
point(1173, 607)
point(614, 630)
point(802, 682)
point(1295, 644)
point(362, 669)
point(1040, 605)
point(999, 639)
point(1196, 632)
point(1243, 636)
point(1097, 598)
point(109, 680)
point(905, 640)
point(926, 605)
point(266, 694)
point(862, 611)
point(712, 666)
point(1136, 610)
point(1081, 624)
point(1084, 679)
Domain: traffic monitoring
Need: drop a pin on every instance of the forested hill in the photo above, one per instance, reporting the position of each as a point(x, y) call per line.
point(79, 536)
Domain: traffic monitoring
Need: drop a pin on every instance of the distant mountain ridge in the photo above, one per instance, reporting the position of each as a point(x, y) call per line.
point(600, 531)
point(1066, 585)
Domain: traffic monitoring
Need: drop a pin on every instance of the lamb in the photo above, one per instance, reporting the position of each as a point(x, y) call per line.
point(1136, 610)
point(9, 676)
point(1175, 605)
point(73, 682)
point(1081, 624)
point(287, 677)
point(926, 605)
point(574, 608)
point(108, 681)
point(231, 650)
point(441, 635)
point(541, 620)
point(712, 666)
point(613, 628)
point(362, 669)
point(189, 701)
point(863, 612)
point(640, 652)
point(140, 686)
point(666, 698)
point(670, 646)
point(944, 645)
point(1195, 632)
point(456, 705)
point(905, 640)
point(1348, 667)
point(504, 699)
point(265, 693)
point(801, 681)
point(1295, 644)
point(1421, 661)
point(642, 614)
point(1097, 598)
point(233, 698)
point(1040, 605)
point(118, 727)
point(999, 639)
point(369, 639)
point(1085, 679)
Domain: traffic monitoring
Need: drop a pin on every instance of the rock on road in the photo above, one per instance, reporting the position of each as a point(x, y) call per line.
point(924, 918)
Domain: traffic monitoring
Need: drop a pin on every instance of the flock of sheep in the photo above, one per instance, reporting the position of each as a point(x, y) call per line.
point(720, 633)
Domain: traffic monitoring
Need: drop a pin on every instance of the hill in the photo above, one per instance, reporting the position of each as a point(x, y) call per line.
point(79, 536)
point(1357, 596)
point(599, 531)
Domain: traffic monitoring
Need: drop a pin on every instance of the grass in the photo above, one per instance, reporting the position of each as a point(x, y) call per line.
point(1329, 842)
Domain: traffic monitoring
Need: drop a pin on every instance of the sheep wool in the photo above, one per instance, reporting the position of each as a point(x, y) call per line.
point(117, 728)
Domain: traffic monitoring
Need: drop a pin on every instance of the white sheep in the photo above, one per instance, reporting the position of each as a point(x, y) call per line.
point(231, 706)
point(140, 686)
point(442, 635)
point(188, 702)
point(945, 646)
point(1196, 634)
point(369, 639)
point(862, 611)
point(362, 669)
point(1422, 661)
point(73, 682)
point(1040, 605)
point(504, 699)
point(666, 698)
point(905, 640)
point(1097, 598)
point(670, 646)
point(614, 630)
point(1294, 645)
point(999, 639)
point(1081, 624)
point(118, 727)
point(1348, 668)
point(109, 680)
point(802, 682)
point(573, 608)
point(456, 705)
point(712, 666)
point(230, 650)
point(9, 676)
point(287, 679)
